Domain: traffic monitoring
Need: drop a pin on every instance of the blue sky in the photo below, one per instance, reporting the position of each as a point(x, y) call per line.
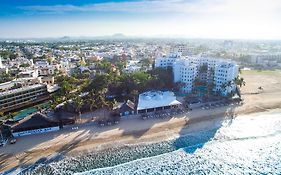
point(237, 19)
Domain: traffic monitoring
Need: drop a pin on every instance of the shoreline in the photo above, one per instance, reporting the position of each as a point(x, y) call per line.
point(80, 147)
point(190, 126)
point(90, 138)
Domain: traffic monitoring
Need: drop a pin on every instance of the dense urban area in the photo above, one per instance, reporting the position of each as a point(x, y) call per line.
point(46, 85)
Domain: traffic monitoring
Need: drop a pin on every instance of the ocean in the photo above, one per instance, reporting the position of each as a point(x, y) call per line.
point(244, 145)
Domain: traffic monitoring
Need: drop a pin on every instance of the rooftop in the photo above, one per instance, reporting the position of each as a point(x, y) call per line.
point(154, 99)
point(226, 65)
point(21, 89)
point(34, 121)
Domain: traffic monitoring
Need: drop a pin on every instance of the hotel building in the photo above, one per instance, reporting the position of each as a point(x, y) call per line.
point(17, 98)
point(210, 70)
point(166, 61)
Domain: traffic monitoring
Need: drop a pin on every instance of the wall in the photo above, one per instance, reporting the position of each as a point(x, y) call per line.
point(36, 131)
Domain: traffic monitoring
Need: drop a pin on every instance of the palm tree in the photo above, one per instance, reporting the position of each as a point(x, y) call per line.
point(92, 103)
point(240, 70)
point(134, 94)
point(78, 104)
point(53, 106)
point(203, 68)
point(210, 87)
point(111, 104)
point(243, 83)
point(196, 81)
point(39, 108)
point(239, 81)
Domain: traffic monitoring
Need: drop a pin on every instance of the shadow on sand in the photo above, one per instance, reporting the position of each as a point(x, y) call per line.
point(188, 141)
point(216, 117)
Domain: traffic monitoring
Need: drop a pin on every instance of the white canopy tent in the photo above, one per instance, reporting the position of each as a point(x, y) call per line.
point(153, 100)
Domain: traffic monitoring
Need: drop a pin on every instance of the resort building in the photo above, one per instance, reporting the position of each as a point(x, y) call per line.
point(17, 98)
point(156, 100)
point(28, 81)
point(19, 82)
point(192, 70)
point(166, 61)
point(185, 72)
point(224, 74)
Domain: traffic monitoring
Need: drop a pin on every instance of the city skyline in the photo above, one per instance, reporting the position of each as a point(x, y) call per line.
point(145, 18)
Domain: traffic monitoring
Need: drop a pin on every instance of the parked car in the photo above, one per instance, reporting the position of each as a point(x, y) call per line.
point(13, 140)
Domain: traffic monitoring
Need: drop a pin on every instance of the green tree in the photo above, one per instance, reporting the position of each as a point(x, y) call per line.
point(239, 81)
point(4, 77)
point(1, 114)
point(78, 103)
point(92, 102)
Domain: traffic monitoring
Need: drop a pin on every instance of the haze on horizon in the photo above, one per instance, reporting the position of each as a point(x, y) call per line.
point(233, 19)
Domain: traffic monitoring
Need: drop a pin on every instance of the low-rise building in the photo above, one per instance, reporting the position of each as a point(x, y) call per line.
point(34, 124)
point(28, 74)
point(266, 59)
point(126, 108)
point(49, 80)
point(46, 71)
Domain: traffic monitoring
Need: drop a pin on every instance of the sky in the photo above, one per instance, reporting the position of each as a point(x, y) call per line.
point(222, 19)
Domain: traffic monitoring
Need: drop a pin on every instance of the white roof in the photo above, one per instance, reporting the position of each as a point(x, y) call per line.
point(154, 99)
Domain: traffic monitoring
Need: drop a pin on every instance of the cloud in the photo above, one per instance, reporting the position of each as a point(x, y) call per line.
point(181, 6)
point(216, 8)
point(195, 18)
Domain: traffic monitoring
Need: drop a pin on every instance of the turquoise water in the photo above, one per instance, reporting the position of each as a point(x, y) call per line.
point(245, 145)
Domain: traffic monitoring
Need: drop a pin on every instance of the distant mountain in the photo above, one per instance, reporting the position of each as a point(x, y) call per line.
point(65, 38)
point(119, 35)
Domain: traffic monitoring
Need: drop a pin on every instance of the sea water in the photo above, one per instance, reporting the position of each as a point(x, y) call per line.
point(245, 145)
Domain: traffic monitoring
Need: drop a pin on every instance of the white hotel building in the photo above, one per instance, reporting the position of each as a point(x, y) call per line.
point(186, 70)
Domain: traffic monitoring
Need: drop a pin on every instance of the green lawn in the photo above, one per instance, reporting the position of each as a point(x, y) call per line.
point(260, 72)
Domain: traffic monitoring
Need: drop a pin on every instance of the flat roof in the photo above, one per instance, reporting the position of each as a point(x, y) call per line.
point(21, 89)
point(154, 99)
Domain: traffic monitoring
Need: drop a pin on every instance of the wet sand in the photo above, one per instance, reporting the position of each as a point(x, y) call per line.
point(30, 149)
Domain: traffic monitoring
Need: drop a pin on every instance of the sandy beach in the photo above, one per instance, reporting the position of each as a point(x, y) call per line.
point(89, 137)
